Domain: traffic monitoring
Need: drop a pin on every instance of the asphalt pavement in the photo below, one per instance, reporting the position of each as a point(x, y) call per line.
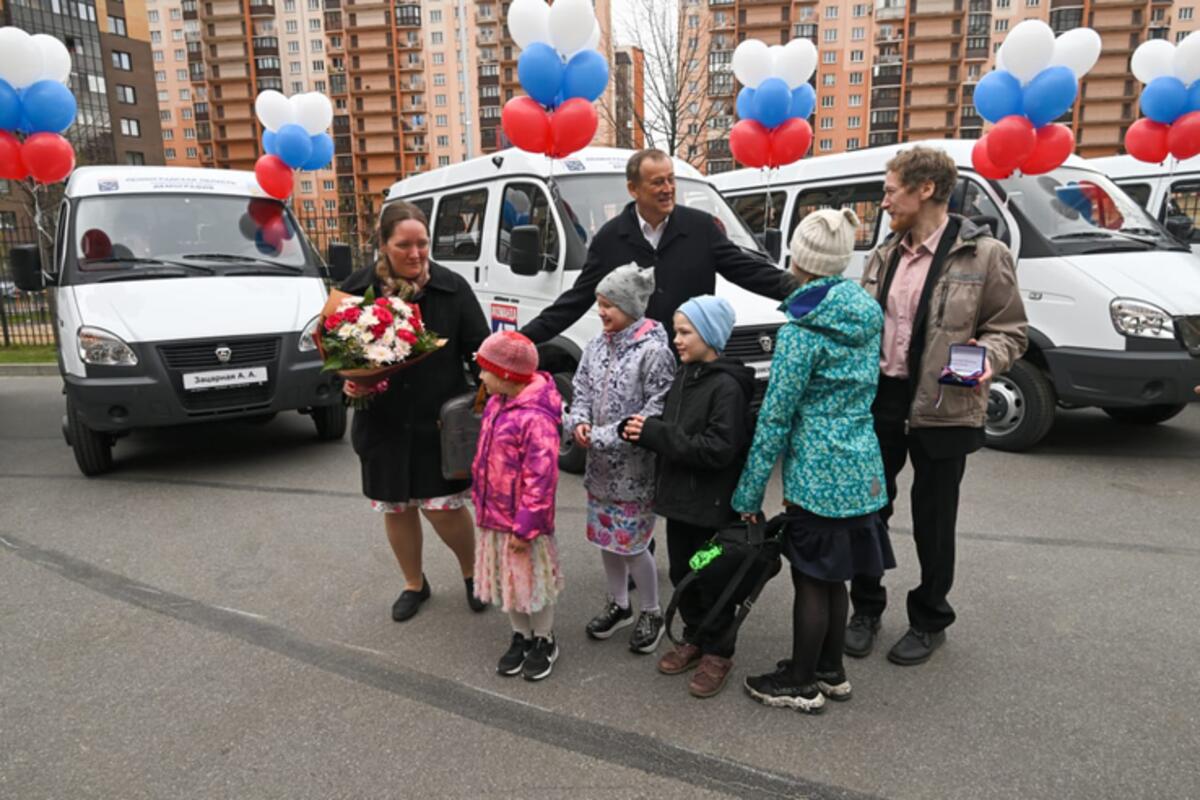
point(212, 620)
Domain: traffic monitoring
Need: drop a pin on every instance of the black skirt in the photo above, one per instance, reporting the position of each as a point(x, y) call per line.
point(829, 549)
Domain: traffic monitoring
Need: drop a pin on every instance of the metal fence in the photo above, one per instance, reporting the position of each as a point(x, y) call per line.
point(25, 317)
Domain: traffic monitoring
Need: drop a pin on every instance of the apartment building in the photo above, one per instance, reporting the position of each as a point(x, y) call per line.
point(629, 96)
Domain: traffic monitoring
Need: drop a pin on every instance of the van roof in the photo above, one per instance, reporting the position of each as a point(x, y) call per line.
point(1122, 167)
point(590, 160)
point(869, 161)
point(88, 181)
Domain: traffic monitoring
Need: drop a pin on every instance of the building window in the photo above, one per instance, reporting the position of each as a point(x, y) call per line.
point(327, 186)
point(164, 96)
point(1033, 3)
point(317, 46)
point(1185, 13)
point(829, 57)
point(189, 133)
point(122, 61)
point(169, 153)
point(441, 120)
point(157, 56)
point(489, 91)
point(155, 37)
point(435, 15)
point(176, 13)
point(862, 10)
point(131, 127)
point(443, 161)
point(437, 37)
point(854, 122)
point(974, 71)
point(168, 134)
point(185, 113)
point(164, 115)
point(314, 24)
point(191, 152)
point(439, 100)
point(97, 84)
point(827, 101)
point(856, 56)
point(291, 26)
point(180, 55)
point(152, 16)
point(858, 34)
point(855, 100)
point(181, 75)
point(1001, 25)
point(135, 158)
point(1003, 3)
point(829, 79)
point(177, 35)
point(116, 25)
point(830, 35)
point(826, 144)
point(185, 94)
point(126, 94)
point(439, 79)
point(826, 123)
point(294, 48)
point(852, 143)
point(831, 12)
point(856, 78)
point(439, 58)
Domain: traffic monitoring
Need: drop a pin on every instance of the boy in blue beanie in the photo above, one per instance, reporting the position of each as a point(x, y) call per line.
point(701, 440)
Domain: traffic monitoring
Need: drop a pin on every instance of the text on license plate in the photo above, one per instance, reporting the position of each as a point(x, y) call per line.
point(222, 378)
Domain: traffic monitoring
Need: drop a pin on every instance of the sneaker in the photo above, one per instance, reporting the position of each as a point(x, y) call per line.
point(648, 632)
point(775, 689)
point(609, 621)
point(832, 684)
point(539, 661)
point(679, 659)
point(860, 635)
point(514, 657)
point(710, 676)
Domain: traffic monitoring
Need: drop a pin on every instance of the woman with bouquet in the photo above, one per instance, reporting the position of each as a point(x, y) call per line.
point(396, 436)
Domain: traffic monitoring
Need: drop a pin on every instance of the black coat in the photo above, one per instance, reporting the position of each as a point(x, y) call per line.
point(396, 437)
point(701, 440)
point(692, 251)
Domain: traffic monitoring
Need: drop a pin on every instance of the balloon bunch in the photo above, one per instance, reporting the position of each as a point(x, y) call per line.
point(293, 138)
point(1170, 101)
point(561, 72)
point(1036, 80)
point(35, 101)
point(774, 103)
point(265, 225)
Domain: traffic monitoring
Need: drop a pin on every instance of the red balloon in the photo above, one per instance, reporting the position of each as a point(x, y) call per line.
point(1183, 139)
point(263, 211)
point(274, 232)
point(572, 125)
point(527, 125)
point(1054, 144)
point(274, 176)
point(48, 156)
point(750, 143)
point(983, 164)
point(12, 166)
point(95, 244)
point(1011, 142)
point(1146, 140)
point(790, 141)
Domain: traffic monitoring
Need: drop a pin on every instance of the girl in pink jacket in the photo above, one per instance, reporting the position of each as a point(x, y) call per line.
point(515, 475)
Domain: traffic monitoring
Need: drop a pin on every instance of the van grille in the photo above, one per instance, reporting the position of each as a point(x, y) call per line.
point(747, 343)
point(203, 355)
point(198, 356)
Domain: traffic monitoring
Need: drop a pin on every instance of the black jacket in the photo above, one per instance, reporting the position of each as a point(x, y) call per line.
point(396, 437)
point(692, 251)
point(701, 441)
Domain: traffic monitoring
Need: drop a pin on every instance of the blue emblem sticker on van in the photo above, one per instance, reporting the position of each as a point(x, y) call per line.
point(108, 185)
point(574, 165)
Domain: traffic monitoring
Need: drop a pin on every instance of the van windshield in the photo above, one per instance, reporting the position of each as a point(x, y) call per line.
point(188, 234)
point(1082, 211)
point(595, 199)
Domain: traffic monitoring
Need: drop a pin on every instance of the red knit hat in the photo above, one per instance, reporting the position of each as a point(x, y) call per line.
point(508, 355)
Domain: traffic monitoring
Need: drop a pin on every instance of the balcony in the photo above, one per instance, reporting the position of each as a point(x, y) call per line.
point(888, 76)
point(805, 30)
point(408, 16)
point(333, 20)
point(887, 59)
point(885, 98)
point(265, 83)
point(189, 9)
point(715, 3)
point(936, 8)
point(262, 8)
point(265, 46)
point(890, 9)
point(723, 23)
point(883, 138)
point(889, 36)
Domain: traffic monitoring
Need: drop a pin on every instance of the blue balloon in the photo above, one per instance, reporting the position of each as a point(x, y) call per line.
point(1050, 95)
point(559, 99)
point(25, 126)
point(293, 145)
point(268, 142)
point(1164, 100)
point(585, 75)
point(322, 152)
point(49, 106)
point(10, 107)
point(745, 103)
point(998, 95)
point(540, 71)
point(804, 100)
point(1194, 97)
point(772, 101)
point(264, 247)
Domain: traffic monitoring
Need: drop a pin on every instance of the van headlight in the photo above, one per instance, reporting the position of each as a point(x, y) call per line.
point(307, 343)
point(1138, 318)
point(98, 346)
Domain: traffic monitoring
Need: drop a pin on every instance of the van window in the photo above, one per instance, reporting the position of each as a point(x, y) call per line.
point(863, 198)
point(1140, 192)
point(426, 206)
point(458, 232)
point(970, 200)
point(1184, 202)
point(526, 204)
point(751, 208)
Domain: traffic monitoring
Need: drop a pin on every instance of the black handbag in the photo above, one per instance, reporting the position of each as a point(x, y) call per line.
point(459, 422)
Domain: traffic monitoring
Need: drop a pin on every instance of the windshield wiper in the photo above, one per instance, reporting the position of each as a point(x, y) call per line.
point(121, 260)
point(231, 257)
point(1133, 231)
point(1058, 237)
point(146, 274)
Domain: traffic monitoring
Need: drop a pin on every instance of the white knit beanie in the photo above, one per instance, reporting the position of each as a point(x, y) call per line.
point(824, 241)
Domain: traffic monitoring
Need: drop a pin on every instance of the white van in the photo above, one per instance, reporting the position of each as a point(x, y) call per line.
point(171, 308)
point(518, 227)
point(1170, 192)
point(1113, 301)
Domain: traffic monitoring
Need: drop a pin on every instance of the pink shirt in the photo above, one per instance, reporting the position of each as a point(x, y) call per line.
point(903, 298)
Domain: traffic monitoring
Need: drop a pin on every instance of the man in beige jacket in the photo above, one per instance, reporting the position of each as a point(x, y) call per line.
point(941, 280)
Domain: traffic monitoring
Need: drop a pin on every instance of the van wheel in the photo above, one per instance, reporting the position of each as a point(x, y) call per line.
point(330, 421)
point(1021, 407)
point(93, 449)
point(1144, 415)
point(571, 457)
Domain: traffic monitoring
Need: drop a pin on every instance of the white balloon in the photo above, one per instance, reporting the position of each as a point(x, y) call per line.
point(56, 60)
point(312, 111)
point(593, 42)
point(776, 51)
point(529, 22)
point(796, 62)
point(20, 58)
point(571, 24)
point(1187, 59)
point(1028, 49)
point(1153, 59)
point(752, 62)
point(1078, 49)
point(273, 110)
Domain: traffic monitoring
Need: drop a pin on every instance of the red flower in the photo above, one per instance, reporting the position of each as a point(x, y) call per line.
point(405, 336)
point(384, 316)
point(415, 319)
point(378, 330)
point(382, 302)
point(333, 321)
point(352, 314)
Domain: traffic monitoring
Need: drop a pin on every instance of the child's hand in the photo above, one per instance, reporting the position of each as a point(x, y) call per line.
point(633, 427)
point(517, 545)
point(755, 517)
point(583, 435)
point(352, 389)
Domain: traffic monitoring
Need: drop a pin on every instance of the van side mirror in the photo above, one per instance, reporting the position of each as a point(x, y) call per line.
point(772, 241)
point(341, 263)
point(1181, 227)
point(525, 250)
point(26, 264)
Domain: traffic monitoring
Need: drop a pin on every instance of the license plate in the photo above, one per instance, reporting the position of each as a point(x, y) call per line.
point(224, 378)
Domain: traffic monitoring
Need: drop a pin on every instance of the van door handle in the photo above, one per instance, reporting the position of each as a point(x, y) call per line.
point(477, 274)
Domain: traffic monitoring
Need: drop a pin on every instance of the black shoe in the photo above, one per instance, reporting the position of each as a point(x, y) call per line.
point(609, 621)
point(539, 661)
point(832, 684)
point(648, 632)
point(860, 635)
point(915, 647)
point(512, 660)
point(776, 689)
point(474, 602)
point(409, 602)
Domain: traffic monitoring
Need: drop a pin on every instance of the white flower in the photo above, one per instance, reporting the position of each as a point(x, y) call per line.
point(346, 331)
point(402, 349)
point(389, 336)
point(368, 320)
point(347, 303)
point(378, 354)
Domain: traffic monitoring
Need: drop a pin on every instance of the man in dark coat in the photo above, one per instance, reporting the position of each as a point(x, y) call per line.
point(685, 246)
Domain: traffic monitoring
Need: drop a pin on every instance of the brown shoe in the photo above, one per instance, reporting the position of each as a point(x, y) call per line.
point(680, 658)
point(710, 676)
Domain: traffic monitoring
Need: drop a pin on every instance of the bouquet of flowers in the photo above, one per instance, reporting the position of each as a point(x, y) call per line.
point(366, 339)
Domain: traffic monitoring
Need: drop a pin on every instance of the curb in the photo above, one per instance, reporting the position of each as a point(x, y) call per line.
point(27, 370)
